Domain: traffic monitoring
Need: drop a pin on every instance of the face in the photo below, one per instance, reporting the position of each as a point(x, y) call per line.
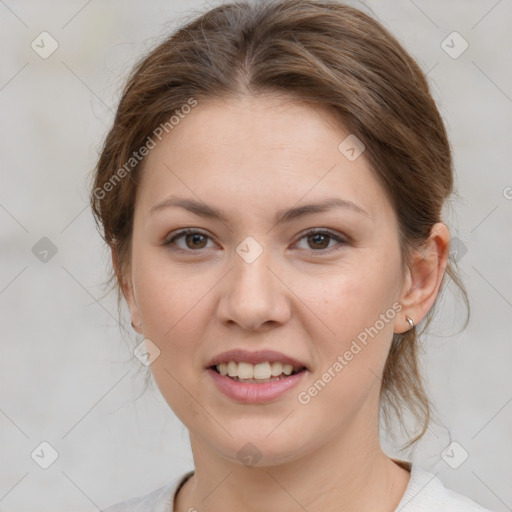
point(258, 280)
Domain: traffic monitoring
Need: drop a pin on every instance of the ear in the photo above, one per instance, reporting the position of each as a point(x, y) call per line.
point(125, 282)
point(424, 277)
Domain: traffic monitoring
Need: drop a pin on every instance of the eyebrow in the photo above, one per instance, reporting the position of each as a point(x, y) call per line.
point(282, 216)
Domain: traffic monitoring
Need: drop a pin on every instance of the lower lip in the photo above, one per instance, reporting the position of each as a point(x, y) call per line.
point(254, 393)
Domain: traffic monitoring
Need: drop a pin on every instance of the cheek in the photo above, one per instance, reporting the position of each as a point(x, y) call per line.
point(354, 296)
point(352, 357)
point(357, 306)
point(168, 299)
point(169, 303)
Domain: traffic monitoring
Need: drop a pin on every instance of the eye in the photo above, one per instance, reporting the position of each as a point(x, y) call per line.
point(194, 239)
point(318, 239)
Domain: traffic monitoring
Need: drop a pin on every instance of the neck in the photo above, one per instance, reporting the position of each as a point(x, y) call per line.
point(350, 473)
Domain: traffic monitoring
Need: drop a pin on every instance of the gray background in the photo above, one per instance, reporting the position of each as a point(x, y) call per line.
point(68, 373)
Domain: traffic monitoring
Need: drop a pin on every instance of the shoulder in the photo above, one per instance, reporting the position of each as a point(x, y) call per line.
point(426, 493)
point(159, 500)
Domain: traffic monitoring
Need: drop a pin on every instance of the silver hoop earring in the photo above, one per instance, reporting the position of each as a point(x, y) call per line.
point(409, 319)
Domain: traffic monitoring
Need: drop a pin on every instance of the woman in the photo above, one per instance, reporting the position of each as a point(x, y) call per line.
point(271, 190)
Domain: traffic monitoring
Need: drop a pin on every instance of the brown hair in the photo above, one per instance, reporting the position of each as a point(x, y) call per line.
point(326, 54)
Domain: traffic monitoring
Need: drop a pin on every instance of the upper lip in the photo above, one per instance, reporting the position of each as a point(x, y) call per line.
point(260, 356)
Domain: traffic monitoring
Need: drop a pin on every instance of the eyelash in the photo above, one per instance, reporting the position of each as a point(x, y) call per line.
point(315, 231)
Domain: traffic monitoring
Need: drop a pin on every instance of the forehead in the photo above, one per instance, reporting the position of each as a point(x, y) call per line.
point(257, 152)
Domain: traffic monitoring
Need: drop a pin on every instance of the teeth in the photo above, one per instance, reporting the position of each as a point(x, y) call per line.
point(262, 371)
point(245, 371)
point(248, 371)
point(232, 369)
point(276, 369)
point(287, 369)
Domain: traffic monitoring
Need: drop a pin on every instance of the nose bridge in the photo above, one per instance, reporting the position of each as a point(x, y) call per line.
point(252, 277)
point(254, 295)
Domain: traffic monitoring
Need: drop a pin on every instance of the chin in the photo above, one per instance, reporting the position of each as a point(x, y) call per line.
point(255, 448)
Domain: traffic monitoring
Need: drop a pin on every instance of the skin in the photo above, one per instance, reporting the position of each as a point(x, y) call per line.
point(306, 297)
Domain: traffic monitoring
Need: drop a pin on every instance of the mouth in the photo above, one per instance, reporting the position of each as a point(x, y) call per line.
point(259, 377)
point(259, 382)
point(259, 373)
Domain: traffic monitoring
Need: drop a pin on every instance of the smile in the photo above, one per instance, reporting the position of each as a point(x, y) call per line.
point(256, 373)
point(255, 390)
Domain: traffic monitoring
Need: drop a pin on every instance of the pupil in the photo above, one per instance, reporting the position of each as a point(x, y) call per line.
point(195, 238)
point(320, 236)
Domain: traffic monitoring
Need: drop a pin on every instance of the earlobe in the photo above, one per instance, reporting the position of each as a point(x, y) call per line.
point(424, 278)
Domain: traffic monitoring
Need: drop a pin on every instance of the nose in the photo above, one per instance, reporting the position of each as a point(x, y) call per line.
point(254, 295)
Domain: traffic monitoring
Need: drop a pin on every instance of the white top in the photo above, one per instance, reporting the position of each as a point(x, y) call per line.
point(424, 493)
